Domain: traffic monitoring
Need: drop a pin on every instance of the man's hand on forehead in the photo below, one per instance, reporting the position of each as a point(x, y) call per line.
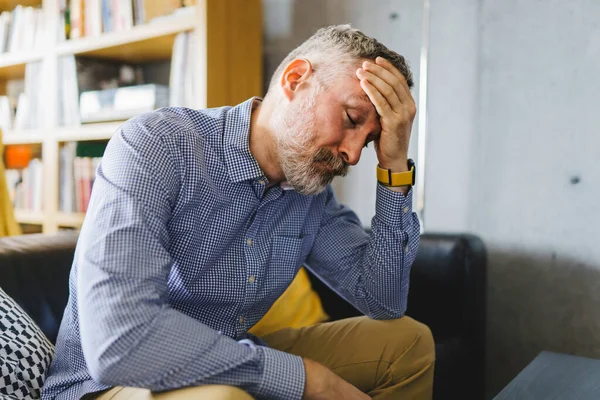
point(388, 90)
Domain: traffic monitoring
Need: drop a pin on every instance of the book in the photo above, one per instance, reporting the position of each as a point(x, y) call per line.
point(6, 114)
point(93, 17)
point(76, 12)
point(25, 186)
point(24, 29)
point(122, 103)
point(183, 71)
point(122, 15)
point(79, 162)
point(68, 92)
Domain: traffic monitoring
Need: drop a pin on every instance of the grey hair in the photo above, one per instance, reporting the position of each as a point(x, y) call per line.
point(336, 46)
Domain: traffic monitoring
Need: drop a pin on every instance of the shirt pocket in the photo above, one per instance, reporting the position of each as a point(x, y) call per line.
point(291, 250)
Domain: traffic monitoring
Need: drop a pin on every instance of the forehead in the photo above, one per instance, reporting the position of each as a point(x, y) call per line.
point(349, 92)
point(353, 96)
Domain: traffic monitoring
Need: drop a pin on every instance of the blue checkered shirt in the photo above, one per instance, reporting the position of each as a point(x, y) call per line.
point(184, 249)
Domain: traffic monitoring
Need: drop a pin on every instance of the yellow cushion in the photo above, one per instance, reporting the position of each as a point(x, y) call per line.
point(297, 307)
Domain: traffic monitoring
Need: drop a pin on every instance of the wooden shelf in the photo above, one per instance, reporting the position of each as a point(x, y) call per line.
point(30, 217)
point(228, 59)
point(70, 220)
point(99, 131)
point(143, 43)
point(12, 65)
point(23, 137)
point(9, 5)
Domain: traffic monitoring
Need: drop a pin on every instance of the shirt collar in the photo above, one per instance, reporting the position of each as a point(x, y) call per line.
point(241, 164)
point(286, 186)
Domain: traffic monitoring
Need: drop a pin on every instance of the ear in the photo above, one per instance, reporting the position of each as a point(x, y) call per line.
point(295, 73)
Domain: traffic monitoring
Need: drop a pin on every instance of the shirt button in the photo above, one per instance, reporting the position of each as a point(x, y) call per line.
point(405, 210)
point(251, 279)
point(249, 242)
point(242, 320)
point(262, 181)
point(406, 249)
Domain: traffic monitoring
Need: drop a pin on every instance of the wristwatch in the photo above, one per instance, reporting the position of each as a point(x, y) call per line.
point(394, 179)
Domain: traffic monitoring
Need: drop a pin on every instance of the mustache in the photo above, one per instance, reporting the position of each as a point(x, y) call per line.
point(336, 163)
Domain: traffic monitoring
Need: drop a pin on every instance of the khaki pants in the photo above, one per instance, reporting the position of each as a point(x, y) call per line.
point(385, 359)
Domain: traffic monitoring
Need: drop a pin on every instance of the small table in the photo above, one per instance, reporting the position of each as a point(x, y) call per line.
point(553, 376)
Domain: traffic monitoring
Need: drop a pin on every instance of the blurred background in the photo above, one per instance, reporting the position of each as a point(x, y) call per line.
point(505, 138)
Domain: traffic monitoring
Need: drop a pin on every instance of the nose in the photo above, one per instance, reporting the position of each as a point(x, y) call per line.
point(350, 152)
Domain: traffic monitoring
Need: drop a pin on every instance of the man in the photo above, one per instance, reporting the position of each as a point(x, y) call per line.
point(200, 219)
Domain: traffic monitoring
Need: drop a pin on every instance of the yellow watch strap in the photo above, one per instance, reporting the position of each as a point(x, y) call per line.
point(389, 178)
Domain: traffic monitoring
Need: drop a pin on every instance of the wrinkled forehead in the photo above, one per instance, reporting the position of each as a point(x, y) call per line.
point(359, 99)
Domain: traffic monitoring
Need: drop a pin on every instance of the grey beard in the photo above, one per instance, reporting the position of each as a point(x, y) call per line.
point(309, 178)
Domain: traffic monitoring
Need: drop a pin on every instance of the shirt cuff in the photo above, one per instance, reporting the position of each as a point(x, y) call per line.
point(393, 208)
point(283, 376)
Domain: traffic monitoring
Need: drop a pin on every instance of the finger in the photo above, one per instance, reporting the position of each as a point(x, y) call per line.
point(403, 90)
point(391, 68)
point(381, 105)
point(389, 77)
point(405, 94)
point(386, 89)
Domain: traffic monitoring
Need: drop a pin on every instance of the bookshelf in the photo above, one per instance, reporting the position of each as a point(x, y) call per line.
point(32, 136)
point(97, 131)
point(12, 66)
point(11, 4)
point(151, 42)
point(228, 56)
point(30, 217)
point(70, 220)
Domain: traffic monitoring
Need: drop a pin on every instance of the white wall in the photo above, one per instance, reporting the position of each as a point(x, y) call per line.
point(513, 124)
point(514, 117)
point(452, 106)
point(397, 24)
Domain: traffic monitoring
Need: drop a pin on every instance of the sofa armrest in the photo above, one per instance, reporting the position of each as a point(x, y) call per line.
point(448, 285)
point(34, 271)
point(447, 293)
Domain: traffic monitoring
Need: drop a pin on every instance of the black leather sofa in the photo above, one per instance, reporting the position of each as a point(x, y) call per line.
point(448, 286)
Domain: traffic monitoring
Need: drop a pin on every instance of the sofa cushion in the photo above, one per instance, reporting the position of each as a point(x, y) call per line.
point(25, 353)
point(34, 272)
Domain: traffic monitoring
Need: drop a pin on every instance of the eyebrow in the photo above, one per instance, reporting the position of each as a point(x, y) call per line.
point(361, 98)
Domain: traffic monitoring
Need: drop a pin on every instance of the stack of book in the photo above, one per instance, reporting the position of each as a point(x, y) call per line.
point(24, 177)
point(21, 29)
point(78, 165)
point(30, 105)
point(94, 17)
point(22, 106)
point(78, 75)
point(95, 90)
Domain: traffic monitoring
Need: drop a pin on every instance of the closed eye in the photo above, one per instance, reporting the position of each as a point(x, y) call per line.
point(350, 119)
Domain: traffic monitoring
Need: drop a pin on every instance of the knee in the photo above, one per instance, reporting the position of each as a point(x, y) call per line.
point(412, 336)
point(214, 392)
